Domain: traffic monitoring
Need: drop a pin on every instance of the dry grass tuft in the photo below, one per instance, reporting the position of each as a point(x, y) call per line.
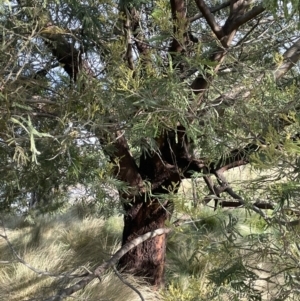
point(65, 244)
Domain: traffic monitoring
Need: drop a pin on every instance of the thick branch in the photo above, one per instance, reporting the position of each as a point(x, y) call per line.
point(230, 191)
point(126, 169)
point(65, 52)
point(180, 26)
point(211, 9)
point(261, 205)
point(209, 17)
point(225, 36)
point(254, 12)
point(127, 30)
point(39, 99)
point(266, 206)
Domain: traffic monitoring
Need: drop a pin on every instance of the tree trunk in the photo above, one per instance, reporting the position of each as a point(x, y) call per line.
point(145, 209)
point(149, 211)
point(147, 259)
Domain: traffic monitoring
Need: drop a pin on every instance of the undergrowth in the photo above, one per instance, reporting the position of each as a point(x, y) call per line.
point(70, 243)
point(220, 255)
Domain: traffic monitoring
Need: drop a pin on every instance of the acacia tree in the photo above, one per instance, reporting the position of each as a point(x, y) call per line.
point(168, 90)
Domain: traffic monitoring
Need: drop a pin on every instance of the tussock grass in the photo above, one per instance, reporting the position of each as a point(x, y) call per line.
point(72, 242)
point(205, 258)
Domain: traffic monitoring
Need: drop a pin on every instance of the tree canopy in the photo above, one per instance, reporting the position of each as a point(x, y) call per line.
point(137, 96)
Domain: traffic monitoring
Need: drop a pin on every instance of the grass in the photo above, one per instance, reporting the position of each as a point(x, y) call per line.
point(61, 244)
point(222, 255)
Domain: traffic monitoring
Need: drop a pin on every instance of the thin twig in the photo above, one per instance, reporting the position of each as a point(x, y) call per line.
point(127, 283)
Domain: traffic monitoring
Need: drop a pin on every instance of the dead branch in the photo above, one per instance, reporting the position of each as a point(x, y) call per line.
point(108, 264)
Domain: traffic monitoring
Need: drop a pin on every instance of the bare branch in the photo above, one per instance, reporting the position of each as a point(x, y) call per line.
point(42, 114)
point(254, 12)
point(266, 206)
point(291, 57)
point(210, 19)
point(258, 204)
point(212, 10)
point(39, 99)
point(240, 92)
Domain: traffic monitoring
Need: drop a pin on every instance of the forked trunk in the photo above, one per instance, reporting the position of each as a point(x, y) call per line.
point(146, 210)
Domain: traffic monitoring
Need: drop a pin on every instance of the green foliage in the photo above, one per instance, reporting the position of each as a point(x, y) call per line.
point(240, 259)
point(289, 8)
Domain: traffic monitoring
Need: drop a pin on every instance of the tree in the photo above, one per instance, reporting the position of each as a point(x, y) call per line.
point(143, 95)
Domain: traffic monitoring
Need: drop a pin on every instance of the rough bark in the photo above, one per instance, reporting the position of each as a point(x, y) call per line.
point(146, 211)
point(147, 259)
